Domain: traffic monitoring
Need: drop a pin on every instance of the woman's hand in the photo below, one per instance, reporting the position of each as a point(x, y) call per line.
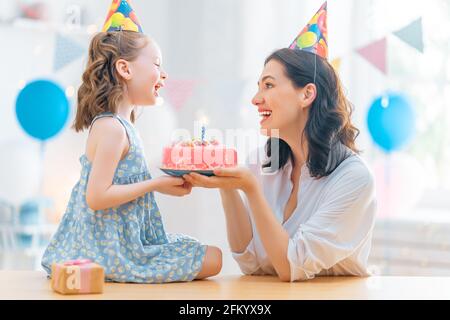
point(225, 178)
point(172, 186)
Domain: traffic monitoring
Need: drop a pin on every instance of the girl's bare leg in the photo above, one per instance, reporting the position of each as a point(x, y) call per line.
point(212, 263)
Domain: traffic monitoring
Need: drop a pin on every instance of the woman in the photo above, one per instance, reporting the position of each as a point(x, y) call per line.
point(314, 214)
point(308, 208)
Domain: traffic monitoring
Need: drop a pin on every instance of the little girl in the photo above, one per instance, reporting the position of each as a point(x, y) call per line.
point(112, 217)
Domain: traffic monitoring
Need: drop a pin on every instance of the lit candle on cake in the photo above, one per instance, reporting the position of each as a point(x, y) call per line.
point(204, 121)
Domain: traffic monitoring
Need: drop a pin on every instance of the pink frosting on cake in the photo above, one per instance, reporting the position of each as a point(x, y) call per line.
point(198, 155)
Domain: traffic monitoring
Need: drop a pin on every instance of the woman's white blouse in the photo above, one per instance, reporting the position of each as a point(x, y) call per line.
point(330, 231)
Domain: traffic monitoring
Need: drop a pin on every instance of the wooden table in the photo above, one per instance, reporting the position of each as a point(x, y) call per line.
point(34, 285)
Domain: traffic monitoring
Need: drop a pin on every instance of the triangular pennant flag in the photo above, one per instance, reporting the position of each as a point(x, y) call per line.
point(336, 63)
point(178, 91)
point(412, 34)
point(66, 51)
point(375, 53)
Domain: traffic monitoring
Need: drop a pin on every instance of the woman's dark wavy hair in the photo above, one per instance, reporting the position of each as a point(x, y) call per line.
point(329, 125)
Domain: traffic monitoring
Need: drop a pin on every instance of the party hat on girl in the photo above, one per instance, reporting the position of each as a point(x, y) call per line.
point(121, 17)
point(314, 37)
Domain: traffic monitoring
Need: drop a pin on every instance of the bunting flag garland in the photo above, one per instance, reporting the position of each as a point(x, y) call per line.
point(412, 35)
point(178, 91)
point(336, 63)
point(375, 53)
point(66, 51)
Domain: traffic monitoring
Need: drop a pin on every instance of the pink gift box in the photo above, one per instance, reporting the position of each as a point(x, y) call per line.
point(80, 276)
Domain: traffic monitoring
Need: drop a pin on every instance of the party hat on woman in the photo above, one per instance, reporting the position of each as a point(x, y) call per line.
point(314, 37)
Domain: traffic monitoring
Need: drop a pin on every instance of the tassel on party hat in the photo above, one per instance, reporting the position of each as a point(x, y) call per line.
point(314, 37)
point(121, 17)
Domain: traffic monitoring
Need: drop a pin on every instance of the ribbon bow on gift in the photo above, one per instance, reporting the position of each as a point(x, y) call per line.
point(77, 262)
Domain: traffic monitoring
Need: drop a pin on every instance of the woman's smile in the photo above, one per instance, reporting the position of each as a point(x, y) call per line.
point(265, 114)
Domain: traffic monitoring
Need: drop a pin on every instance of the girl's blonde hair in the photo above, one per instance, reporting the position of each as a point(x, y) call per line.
point(102, 87)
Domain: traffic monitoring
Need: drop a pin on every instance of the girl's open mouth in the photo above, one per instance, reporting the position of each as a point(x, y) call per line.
point(156, 90)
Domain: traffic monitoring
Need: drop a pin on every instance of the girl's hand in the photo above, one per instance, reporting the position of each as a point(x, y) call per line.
point(172, 186)
point(226, 178)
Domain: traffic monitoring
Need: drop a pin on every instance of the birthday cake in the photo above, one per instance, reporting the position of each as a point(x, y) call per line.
point(198, 154)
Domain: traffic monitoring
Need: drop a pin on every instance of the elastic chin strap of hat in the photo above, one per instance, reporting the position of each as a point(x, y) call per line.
point(315, 67)
point(119, 40)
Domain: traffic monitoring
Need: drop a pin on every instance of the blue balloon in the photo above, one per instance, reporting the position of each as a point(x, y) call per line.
point(391, 121)
point(42, 109)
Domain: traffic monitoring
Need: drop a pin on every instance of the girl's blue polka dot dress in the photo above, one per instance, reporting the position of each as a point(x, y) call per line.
point(129, 241)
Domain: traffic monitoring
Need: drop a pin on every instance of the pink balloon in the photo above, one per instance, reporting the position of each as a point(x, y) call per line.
point(397, 184)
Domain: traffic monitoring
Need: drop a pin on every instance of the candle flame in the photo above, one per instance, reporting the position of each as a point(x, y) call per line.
point(204, 121)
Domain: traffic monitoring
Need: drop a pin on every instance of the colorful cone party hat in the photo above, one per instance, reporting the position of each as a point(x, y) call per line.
point(314, 37)
point(120, 17)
